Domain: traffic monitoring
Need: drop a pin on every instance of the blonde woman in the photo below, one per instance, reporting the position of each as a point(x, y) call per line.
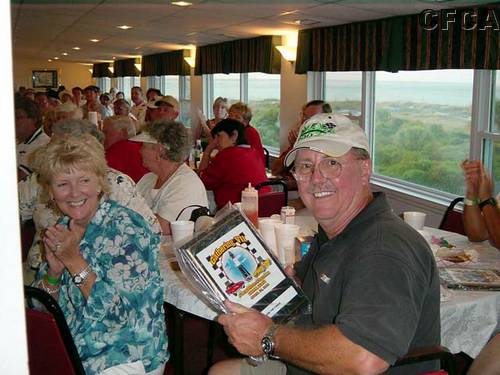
point(101, 264)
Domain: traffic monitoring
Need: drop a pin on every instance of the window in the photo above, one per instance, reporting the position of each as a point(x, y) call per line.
point(264, 100)
point(491, 137)
point(422, 127)
point(169, 85)
point(343, 92)
point(104, 83)
point(126, 83)
point(227, 86)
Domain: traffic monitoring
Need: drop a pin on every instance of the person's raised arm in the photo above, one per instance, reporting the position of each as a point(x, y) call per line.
point(490, 210)
point(474, 224)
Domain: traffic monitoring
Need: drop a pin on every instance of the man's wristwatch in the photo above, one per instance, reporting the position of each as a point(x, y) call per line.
point(267, 343)
point(80, 277)
point(490, 200)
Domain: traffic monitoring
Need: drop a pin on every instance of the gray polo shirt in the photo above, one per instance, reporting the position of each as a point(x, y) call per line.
point(377, 281)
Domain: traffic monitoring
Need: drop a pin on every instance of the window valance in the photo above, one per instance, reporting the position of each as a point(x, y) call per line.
point(166, 63)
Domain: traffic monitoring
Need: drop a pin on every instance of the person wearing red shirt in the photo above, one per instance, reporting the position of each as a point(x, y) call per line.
point(122, 154)
point(241, 112)
point(234, 166)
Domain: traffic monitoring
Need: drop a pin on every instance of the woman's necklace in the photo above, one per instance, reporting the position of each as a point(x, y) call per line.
point(162, 179)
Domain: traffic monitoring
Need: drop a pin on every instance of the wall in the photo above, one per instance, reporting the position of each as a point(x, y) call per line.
point(69, 74)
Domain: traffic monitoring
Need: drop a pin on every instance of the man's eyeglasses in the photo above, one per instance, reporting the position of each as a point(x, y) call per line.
point(328, 167)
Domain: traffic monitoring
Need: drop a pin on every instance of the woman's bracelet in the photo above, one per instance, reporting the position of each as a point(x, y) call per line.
point(47, 289)
point(51, 280)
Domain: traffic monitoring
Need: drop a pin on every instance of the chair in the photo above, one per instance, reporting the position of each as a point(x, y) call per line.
point(49, 337)
point(271, 202)
point(432, 353)
point(452, 220)
point(266, 157)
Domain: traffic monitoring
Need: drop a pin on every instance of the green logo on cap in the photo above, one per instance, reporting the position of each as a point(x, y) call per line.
point(317, 129)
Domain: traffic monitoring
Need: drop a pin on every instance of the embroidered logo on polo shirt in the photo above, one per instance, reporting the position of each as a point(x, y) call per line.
point(325, 278)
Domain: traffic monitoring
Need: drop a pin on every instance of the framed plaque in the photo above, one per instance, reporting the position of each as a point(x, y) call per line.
point(44, 78)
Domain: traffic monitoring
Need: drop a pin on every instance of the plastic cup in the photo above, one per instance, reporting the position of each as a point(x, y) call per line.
point(266, 228)
point(181, 229)
point(92, 117)
point(415, 219)
point(285, 242)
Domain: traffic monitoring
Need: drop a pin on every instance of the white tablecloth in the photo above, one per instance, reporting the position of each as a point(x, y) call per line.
point(468, 318)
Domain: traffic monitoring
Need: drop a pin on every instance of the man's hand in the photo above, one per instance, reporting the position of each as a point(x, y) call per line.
point(245, 328)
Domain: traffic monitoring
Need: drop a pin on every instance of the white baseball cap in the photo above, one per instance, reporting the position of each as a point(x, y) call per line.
point(330, 134)
point(144, 137)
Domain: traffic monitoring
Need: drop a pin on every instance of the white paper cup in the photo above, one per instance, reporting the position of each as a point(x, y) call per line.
point(181, 229)
point(415, 219)
point(285, 241)
point(92, 117)
point(266, 228)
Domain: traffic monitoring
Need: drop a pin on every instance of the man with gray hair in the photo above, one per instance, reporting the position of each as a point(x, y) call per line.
point(122, 154)
point(372, 279)
point(123, 191)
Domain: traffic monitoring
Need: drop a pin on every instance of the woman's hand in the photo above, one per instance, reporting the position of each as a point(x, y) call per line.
point(485, 185)
point(472, 171)
point(64, 245)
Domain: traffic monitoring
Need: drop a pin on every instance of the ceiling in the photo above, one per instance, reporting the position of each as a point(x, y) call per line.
point(43, 29)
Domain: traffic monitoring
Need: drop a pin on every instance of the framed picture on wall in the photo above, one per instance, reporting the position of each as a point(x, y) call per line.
point(44, 78)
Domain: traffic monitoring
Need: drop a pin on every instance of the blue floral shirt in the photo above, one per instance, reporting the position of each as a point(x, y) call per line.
point(123, 319)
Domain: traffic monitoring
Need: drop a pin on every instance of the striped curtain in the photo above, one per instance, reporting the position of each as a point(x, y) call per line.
point(167, 63)
point(126, 68)
point(101, 70)
point(471, 41)
point(405, 43)
point(240, 56)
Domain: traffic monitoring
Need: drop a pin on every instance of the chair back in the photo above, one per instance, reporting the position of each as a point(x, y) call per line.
point(51, 349)
point(266, 157)
point(452, 220)
point(427, 354)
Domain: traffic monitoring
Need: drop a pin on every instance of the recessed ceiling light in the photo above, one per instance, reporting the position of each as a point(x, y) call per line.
point(94, 40)
point(181, 3)
point(56, 58)
point(191, 34)
point(64, 53)
point(76, 48)
point(50, 60)
point(124, 27)
point(114, 57)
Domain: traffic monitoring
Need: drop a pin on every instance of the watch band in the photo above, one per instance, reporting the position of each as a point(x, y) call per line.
point(471, 202)
point(489, 200)
point(80, 277)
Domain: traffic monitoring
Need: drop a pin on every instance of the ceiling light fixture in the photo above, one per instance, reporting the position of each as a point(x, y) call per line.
point(94, 40)
point(56, 58)
point(289, 48)
point(76, 48)
point(288, 13)
point(124, 27)
point(64, 53)
point(50, 60)
point(181, 3)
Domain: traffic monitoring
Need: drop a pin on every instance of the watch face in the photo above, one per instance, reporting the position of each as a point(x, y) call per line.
point(77, 279)
point(267, 345)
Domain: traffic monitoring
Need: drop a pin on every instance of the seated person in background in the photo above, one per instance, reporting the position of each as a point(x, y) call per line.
point(140, 106)
point(233, 167)
point(65, 96)
point(78, 97)
point(308, 110)
point(164, 108)
point(107, 103)
point(220, 113)
point(481, 210)
point(171, 185)
point(122, 108)
point(93, 104)
point(120, 95)
point(152, 94)
point(372, 279)
point(101, 264)
point(29, 133)
point(241, 112)
point(122, 190)
point(122, 154)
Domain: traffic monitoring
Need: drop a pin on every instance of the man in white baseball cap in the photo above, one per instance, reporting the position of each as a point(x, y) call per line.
point(371, 279)
point(165, 107)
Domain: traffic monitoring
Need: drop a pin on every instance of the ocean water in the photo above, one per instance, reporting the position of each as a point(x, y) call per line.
point(449, 93)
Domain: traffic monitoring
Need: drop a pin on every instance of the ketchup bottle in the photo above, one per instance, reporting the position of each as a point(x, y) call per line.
point(250, 204)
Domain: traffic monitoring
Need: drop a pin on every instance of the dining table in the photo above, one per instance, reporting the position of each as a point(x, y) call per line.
point(469, 318)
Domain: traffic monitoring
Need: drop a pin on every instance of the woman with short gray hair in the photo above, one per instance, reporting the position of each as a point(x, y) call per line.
point(172, 185)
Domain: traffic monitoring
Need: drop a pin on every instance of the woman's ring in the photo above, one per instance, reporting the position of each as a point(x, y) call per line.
point(58, 246)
